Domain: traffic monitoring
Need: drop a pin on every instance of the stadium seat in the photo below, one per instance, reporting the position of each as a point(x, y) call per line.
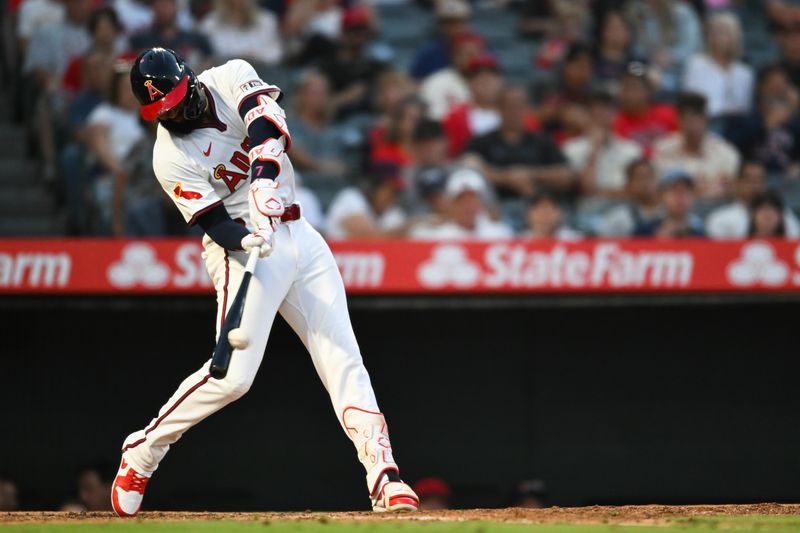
point(27, 206)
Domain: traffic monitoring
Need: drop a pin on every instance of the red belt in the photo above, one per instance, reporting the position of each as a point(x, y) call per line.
point(291, 213)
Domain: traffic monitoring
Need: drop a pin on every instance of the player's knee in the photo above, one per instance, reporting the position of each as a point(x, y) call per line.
point(236, 386)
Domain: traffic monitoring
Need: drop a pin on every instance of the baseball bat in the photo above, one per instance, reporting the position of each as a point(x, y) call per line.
point(221, 359)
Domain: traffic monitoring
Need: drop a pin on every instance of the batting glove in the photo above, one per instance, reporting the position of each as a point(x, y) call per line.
point(266, 207)
point(261, 238)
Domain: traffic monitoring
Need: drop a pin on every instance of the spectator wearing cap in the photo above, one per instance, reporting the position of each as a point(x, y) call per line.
point(468, 216)
point(639, 118)
point(372, 211)
point(316, 143)
point(351, 70)
point(667, 34)
point(430, 203)
point(434, 494)
point(516, 160)
point(642, 206)
point(771, 134)
point(708, 158)
point(165, 31)
point(452, 17)
point(718, 74)
point(429, 169)
point(429, 147)
point(731, 221)
point(242, 29)
point(767, 217)
point(600, 156)
point(447, 88)
point(481, 114)
point(544, 219)
point(677, 195)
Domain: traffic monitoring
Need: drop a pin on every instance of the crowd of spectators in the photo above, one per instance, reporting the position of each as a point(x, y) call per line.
point(644, 118)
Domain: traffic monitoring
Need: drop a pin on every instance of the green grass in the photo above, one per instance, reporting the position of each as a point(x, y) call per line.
point(761, 524)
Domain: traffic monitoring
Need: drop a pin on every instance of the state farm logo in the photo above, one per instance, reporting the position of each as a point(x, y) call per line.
point(449, 265)
point(758, 264)
point(35, 270)
point(516, 265)
point(139, 266)
point(361, 269)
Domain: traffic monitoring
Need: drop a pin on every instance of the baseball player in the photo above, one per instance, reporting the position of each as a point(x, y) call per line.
point(221, 155)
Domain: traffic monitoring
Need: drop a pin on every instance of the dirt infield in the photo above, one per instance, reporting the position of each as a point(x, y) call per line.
point(629, 515)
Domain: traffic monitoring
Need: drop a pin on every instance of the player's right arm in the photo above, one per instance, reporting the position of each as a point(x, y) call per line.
point(199, 203)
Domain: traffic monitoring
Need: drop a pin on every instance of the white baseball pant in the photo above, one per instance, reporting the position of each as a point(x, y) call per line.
point(301, 280)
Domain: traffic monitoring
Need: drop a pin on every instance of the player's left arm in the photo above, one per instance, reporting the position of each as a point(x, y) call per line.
point(264, 119)
point(265, 122)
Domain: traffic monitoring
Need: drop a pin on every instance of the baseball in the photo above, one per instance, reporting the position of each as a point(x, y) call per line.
point(238, 339)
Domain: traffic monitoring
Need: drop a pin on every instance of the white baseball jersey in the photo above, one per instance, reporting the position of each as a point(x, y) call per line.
point(300, 280)
point(210, 165)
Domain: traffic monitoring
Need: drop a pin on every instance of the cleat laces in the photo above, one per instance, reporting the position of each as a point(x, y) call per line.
point(133, 482)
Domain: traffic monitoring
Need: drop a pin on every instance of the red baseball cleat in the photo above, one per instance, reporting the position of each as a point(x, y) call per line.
point(395, 496)
point(127, 492)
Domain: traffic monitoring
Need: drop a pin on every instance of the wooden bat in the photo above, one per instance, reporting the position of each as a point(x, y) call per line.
point(221, 359)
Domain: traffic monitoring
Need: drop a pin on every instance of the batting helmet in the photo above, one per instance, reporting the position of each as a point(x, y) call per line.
point(162, 81)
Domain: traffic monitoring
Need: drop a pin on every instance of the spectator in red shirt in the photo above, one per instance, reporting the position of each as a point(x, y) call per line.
point(481, 115)
point(639, 119)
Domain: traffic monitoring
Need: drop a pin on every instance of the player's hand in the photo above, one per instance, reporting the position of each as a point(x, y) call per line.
point(260, 238)
point(266, 207)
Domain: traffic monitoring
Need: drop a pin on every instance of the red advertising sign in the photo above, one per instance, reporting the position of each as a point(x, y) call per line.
point(172, 266)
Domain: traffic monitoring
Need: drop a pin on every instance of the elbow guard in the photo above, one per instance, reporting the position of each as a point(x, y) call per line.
point(266, 126)
point(266, 120)
point(266, 159)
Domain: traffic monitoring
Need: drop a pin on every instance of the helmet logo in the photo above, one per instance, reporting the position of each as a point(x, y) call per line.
point(152, 91)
